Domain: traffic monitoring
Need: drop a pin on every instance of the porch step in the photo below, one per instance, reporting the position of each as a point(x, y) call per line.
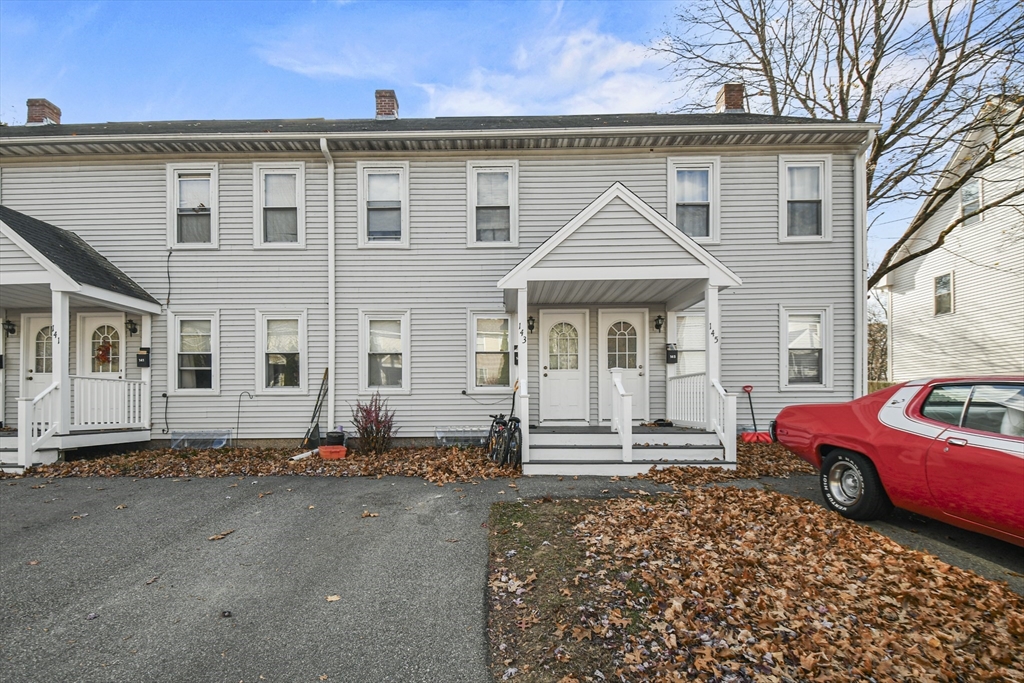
point(609, 438)
point(610, 469)
point(613, 453)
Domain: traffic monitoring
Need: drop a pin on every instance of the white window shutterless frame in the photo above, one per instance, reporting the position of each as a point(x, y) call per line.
point(694, 197)
point(805, 348)
point(489, 353)
point(195, 365)
point(192, 206)
point(282, 352)
point(279, 197)
point(492, 203)
point(383, 196)
point(384, 352)
point(805, 198)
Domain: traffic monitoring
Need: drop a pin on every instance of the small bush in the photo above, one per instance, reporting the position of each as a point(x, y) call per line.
point(374, 424)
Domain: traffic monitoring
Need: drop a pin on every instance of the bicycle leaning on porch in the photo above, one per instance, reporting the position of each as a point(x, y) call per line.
point(505, 439)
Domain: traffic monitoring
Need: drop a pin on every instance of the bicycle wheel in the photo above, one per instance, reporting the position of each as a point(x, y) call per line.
point(492, 442)
point(514, 446)
point(502, 446)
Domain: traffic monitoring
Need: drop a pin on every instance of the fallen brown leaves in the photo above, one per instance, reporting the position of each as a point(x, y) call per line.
point(721, 584)
point(753, 460)
point(437, 465)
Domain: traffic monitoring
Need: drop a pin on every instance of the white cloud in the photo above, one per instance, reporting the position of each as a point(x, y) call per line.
point(306, 51)
point(583, 72)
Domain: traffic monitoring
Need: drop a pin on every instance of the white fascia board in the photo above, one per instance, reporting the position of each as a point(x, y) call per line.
point(60, 281)
point(34, 277)
point(121, 301)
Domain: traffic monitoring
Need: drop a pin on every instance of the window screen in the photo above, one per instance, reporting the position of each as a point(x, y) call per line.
point(282, 353)
point(195, 355)
point(491, 349)
point(693, 202)
point(493, 209)
point(804, 201)
point(805, 349)
point(383, 207)
point(193, 210)
point(280, 208)
point(384, 357)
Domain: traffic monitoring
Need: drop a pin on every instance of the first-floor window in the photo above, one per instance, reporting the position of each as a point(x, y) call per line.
point(944, 294)
point(805, 348)
point(385, 343)
point(490, 351)
point(195, 353)
point(690, 344)
point(281, 353)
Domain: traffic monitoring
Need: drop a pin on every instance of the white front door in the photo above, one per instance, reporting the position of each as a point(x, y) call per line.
point(623, 344)
point(101, 346)
point(37, 352)
point(564, 395)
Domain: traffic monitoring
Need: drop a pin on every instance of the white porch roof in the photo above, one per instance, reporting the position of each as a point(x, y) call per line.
point(617, 250)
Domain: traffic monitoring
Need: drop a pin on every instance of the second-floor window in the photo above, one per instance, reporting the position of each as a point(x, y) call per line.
point(493, 199)
point(970, 201)
point(383, 204)
point(279, 189)
point(805, 206)
point(192, 205)
point(693, 196)
point(944, 294)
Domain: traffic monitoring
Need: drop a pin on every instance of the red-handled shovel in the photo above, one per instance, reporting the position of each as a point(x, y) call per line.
point(754, 436)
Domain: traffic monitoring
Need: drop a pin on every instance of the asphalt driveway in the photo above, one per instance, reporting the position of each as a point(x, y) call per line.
point(93, 591)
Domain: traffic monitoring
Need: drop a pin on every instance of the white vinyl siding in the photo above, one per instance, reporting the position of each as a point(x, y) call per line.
point(490, 353)
point(383, 197)
point(492, 203)
point(694, 197)
point(282, 352)
point(805, 197)
point(192, 206)
point(384, 352)
point(279, 204)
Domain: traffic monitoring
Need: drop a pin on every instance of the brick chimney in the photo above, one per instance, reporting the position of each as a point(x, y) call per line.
point(387, 105)
point(730, 99)
point(42, 113)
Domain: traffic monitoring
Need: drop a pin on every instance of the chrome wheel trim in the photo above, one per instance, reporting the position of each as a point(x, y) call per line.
point(845, 483)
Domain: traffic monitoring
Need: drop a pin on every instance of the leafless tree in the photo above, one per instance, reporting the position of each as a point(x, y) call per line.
point(922, 69)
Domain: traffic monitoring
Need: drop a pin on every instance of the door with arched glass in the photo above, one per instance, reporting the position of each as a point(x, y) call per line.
point(101, 356)
point(563, 367)
point(37, 350)
point(623, 345)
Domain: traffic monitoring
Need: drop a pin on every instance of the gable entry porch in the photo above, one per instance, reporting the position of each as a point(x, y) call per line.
point(593, 306)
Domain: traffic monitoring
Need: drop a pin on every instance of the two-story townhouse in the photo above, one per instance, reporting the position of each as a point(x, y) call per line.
point(959, 310)
point(440, 262)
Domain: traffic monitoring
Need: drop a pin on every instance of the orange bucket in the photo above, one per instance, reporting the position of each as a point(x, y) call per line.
point(333, 452)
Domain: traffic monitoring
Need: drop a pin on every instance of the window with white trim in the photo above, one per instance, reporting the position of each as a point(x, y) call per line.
point(805, 197)
point(806, 348)
point(383, 192)
point(690, 342)
point(491, 353)
point(283, 351)
point(944, 294)
point(493, 200)
point(693, 196)
point(195, 351)
point(970, 201)
point(192, 206)
point(384, 352)
point(279, 192)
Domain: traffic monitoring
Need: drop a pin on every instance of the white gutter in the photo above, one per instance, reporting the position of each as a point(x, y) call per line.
point(860, 268)
point(332, 275)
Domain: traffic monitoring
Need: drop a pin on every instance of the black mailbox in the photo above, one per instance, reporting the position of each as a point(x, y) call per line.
point(671, 355)
point(142, 358)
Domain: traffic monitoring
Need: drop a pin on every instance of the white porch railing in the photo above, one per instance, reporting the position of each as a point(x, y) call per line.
point(685, 394)
point(723, 419)
point(38, 420)
point(622, 414)
point(109, 403)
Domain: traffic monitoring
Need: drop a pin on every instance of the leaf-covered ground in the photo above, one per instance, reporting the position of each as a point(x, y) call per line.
point(437, 465)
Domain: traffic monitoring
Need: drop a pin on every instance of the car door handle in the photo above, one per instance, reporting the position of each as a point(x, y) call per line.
point(956, 442)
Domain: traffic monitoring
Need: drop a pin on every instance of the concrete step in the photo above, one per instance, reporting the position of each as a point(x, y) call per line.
point(608, 469)
point(609, 438)
point(672, 454)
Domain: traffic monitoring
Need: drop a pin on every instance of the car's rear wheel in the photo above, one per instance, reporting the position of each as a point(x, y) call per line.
point(851, 486)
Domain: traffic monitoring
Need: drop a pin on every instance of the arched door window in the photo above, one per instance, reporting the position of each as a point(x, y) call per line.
point(44, 350)
point(106, 349)
point(563, 347)
point(622, 346)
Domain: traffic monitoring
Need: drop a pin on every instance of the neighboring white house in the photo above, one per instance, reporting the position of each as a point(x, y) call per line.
point(959, 310)
point(437, 261)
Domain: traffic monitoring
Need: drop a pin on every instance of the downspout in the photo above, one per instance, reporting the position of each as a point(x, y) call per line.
point(860, 269)
point(332, 276)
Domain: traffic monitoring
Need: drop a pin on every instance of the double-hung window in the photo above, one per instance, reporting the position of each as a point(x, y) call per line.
point(384, 352)
point(944, 294)
point(805, 198)
point(693, 196)
point(195, 351)
point(970, 201)
point(493, 217)
point(383, 191)
point(192, 206)
point(806, 340)
point(491, 356)
point(279, 189)
point(690, 343)
point(283, 354)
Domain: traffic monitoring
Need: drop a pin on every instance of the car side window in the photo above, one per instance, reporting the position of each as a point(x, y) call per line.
point(996, 408)
point(946, 404)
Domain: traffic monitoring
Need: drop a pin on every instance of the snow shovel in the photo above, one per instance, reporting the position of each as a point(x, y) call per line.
point(754, 436)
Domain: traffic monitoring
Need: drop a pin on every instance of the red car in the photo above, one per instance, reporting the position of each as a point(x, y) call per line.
point(950, 449)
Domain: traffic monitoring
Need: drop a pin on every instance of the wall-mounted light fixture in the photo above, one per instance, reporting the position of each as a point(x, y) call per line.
point(530, 323)
point(10, 328)
point(659, 322)
point(132, 326)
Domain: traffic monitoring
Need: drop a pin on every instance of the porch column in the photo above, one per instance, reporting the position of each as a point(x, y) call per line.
point(523, 371)
point(712, 345)
point(61, 319)
point(147, 372)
